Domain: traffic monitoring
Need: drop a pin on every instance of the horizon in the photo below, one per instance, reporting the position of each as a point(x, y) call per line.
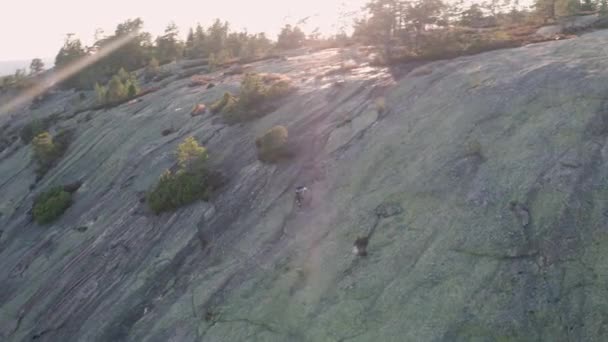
point(31, 42)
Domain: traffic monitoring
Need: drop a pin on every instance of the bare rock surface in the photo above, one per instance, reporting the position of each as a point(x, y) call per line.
point(448, 259)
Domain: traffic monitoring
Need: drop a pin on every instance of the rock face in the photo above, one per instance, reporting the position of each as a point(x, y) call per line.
point(449, 259)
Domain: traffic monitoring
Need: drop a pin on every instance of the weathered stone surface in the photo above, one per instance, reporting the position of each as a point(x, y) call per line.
point(454, 264)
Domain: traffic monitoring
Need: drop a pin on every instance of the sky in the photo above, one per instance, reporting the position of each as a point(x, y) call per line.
point(30, 29)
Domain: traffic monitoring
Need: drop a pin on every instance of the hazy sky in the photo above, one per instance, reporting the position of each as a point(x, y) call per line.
point(37, 28)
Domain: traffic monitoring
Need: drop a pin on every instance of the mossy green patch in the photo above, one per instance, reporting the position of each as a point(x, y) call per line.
point(51, 204)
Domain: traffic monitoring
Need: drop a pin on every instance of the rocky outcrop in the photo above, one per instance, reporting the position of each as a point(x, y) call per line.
point(501, 241)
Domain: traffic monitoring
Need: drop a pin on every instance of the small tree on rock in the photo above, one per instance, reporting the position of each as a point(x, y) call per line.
point(36, 66)
point(190, 155)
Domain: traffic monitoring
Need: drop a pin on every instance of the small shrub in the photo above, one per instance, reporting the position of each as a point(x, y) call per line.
point(101, 93)
point(45, 150)
point(190, 155)
point(32, 129)
point(48, 150)
point(255, 99)
point(50, 205)
point(122, 86)
point(272, 146)
point(253, 91)
point(177, 189)
point(278, 90)
point(191, 182)
point(152, 69)
point(132, 90)
point(227, 101)
point(116, 90)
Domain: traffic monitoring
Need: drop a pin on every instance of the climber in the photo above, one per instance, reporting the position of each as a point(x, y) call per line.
point(301, 195)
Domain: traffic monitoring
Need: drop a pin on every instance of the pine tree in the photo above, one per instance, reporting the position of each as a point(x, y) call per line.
point(116, 90)
point(168, 46)
point(190, 155)
point(36, 66)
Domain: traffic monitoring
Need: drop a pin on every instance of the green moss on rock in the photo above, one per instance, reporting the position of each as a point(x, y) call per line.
point(51, 204)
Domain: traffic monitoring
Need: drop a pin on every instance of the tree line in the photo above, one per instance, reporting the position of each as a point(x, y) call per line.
point(433, 27)
point(217, 43)
point(421, 27)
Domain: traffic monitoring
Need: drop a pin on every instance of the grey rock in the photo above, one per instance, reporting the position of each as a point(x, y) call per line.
point(389, 209)
point(246, 266)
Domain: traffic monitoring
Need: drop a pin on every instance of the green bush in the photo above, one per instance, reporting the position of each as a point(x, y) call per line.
point(253, 91)
point(122, 86)
point(152, 69)
point(278, 90)
point(256, 98)
point(101, 93)
point(227, 102)
point(191, 182)
point(178, 189)
point(190, 155)
point(116, 90)
point(273, 146)
point(47, 151)
point(32, 129)
point(51, 204)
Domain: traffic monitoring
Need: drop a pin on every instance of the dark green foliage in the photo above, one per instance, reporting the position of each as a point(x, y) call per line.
point(272, 146)
point(219, 44)
point(48, 150)
point(290, 37)
point(36, 66)
point(253, 92)
point(177, 189)
point(32, 129)
point(50, 205)
point(122, 86)
point(116, 90)
point(227, 102)
point(132, 91)
point(37, 126)
point(407, 31)
point(168, 47)
point(278, 90)
point(71, 52)
point(133, 53)
point(191, 182)
point(152, 70)
point(257, 97)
